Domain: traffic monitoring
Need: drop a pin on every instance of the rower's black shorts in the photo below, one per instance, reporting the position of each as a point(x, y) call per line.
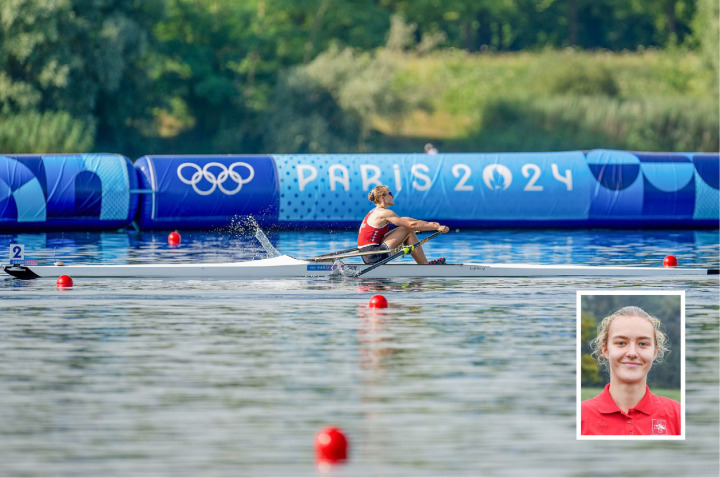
point(373, 258)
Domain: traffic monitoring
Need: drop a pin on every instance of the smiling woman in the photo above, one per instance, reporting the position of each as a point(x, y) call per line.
point(628, 342)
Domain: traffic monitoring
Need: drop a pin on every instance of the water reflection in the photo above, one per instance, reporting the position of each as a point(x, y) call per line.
point(374, 341)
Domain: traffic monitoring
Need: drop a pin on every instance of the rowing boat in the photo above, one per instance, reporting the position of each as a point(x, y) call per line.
point(285, 266)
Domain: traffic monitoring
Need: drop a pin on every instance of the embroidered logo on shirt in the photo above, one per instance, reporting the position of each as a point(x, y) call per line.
point(659, 427)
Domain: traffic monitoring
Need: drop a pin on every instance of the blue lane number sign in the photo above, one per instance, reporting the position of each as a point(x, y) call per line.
point(17, 255)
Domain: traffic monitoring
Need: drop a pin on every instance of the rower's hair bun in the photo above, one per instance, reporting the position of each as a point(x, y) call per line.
point(377, 189)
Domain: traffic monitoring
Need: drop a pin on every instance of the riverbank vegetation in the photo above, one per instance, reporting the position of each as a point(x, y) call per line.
point(281, 76)
point(526, 101)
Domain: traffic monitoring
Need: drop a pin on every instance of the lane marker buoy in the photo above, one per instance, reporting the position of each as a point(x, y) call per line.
point(670, 261)
point(174, 238)
point(378, 302)
point(64, 282)
point(331, 445)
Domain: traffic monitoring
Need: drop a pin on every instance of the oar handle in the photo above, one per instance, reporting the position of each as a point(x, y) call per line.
point(402, 252)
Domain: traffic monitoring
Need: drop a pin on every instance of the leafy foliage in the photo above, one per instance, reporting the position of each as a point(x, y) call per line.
point(81, 57)
point(220, 76)
point(47, 132)
point(567, 100)
point(332, 102)
point(705, 32)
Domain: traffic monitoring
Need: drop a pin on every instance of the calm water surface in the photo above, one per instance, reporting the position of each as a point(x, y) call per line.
point(471, 377)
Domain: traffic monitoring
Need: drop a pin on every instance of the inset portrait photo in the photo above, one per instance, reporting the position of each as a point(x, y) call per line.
point(631, 365)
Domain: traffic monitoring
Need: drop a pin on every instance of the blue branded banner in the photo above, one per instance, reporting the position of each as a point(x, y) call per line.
point(657, 188)
point(66, 191)
point(206, 191)
point(669, 185)
point(707, 186)
point(445, 187)
point(574, 188)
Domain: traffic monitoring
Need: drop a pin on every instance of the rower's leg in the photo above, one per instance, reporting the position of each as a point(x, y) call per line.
point(396, 237)
point(418, 254)
point(407, 237)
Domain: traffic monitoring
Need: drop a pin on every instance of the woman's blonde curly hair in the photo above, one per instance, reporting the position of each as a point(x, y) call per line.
point(661, 340)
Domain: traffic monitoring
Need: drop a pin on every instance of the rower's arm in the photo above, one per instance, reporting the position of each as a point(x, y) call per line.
point(416, 224)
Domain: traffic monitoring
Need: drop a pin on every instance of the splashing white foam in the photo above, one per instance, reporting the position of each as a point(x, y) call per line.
point(241, 225)
point(267, 245)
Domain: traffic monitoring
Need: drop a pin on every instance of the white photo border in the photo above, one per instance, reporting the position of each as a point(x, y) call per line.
point(578, 345)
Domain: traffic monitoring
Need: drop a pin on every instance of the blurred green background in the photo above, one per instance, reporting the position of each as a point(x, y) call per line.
point(318, 76)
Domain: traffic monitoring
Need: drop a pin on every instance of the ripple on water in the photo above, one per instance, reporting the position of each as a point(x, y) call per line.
point(457, 377)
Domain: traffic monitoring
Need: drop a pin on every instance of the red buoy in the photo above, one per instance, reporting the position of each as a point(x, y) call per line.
point(64, 282)
point(670, 261)
point(331, 446)
point(378, 302)
point(174, 238)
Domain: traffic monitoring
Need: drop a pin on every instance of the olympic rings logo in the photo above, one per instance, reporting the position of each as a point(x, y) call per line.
point(216, 181)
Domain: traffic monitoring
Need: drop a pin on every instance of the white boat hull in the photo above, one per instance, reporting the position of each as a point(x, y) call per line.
point(289, 267)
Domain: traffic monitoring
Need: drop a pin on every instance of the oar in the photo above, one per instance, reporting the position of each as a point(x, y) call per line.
point(331, 255)
point(404, 250)
point(356, 253)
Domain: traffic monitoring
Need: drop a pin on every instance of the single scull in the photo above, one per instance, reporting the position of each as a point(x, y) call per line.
point(289, 267)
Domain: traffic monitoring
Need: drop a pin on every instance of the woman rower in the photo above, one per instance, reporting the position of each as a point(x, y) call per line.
point(374, 235)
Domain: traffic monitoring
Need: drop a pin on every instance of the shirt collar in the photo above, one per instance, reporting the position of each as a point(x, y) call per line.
point(607, 404)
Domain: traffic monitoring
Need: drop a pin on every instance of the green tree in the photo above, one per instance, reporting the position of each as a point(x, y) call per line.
point(333, 101)
point(225, 76)
point(218, 63)
point(77, 59)
point(529, 24)
point(49, 132)
point(589, 367)
point(706, 34)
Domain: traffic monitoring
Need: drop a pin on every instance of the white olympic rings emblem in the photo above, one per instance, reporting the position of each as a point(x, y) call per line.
point(216, 182)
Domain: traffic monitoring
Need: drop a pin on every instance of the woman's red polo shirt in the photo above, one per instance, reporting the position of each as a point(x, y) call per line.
point(653, 415)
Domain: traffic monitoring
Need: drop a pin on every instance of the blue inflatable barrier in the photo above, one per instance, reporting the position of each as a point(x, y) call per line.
point(469, 189)
point(617, 192)
point(707, 196)
point(66, 191)
point(561, 189)
point(576, 189)
point(206, 191)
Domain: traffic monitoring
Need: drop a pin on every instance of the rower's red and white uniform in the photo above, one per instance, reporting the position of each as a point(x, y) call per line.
point(371, 236)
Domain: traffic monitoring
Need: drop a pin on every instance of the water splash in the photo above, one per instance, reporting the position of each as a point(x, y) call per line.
point(250, 222)
point(242, 225)
point(267, 245)
point(339, 271)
